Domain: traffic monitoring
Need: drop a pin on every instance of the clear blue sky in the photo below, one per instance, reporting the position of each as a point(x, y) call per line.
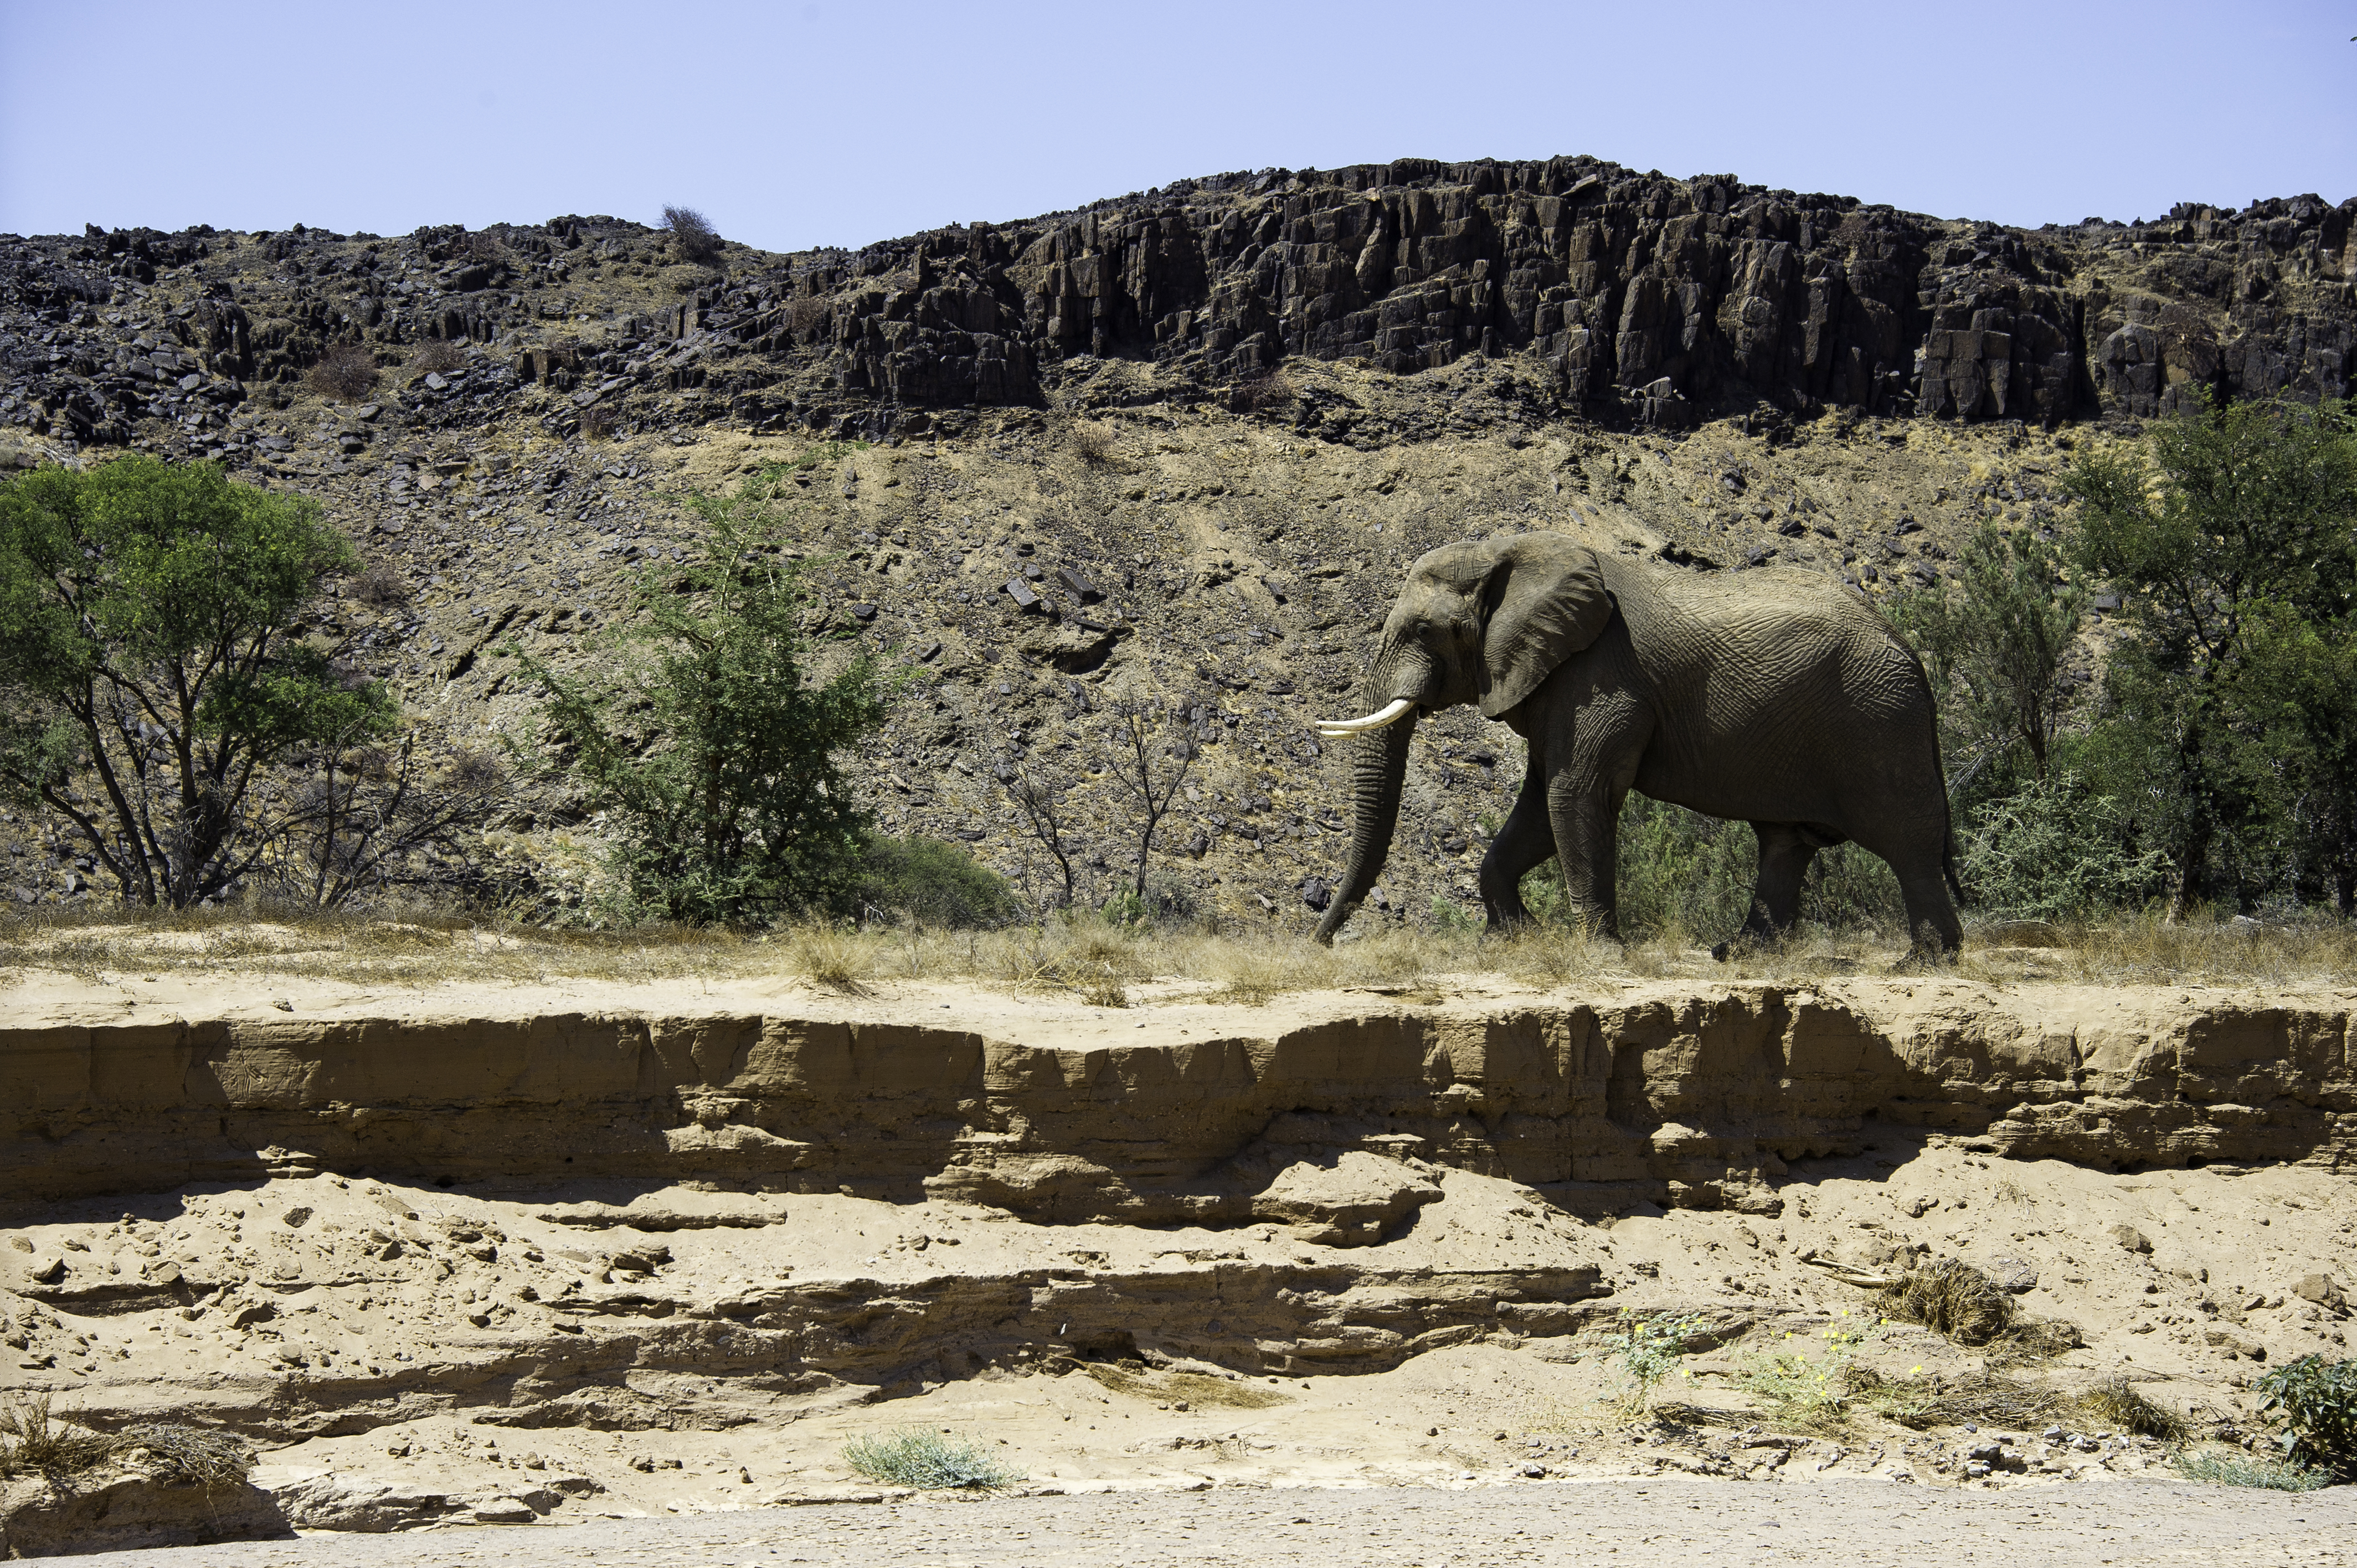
point(799, 124)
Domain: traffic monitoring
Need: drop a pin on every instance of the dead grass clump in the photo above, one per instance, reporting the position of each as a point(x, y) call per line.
point(1952, 1299)
point(346, 370)
point(693, 235)
point(434, 355)
point(381, 585)
point(1092, 443)
point(1268, 393)
point(33, 1442)
point(2117, 1403)
point(1199, 1390)
point(831, 957)
point(1987, 1400)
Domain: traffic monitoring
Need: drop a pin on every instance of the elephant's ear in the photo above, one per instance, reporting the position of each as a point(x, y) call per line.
point(1548, 601)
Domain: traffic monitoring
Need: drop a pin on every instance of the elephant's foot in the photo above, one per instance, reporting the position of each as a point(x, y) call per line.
point(1747, 942)
point(1506, 918)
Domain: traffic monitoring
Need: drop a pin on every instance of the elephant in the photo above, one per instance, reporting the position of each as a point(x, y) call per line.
point(1771, 696)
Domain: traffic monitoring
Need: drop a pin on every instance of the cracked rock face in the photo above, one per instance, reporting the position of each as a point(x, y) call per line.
point(1087, 484)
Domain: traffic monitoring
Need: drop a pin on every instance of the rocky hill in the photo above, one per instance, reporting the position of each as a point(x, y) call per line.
point(1177, 445)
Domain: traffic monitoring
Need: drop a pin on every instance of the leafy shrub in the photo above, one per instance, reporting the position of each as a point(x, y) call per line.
point(694, 235)
point(346, 370)
point(695, 729)
point(2052, 849)
point(935, 884)
point(435, 354)
point(2231, 1469)
point(1647, 1351)
point(2317, 1401)
point(1952, 1299)
point(929, 1461)
point(1800, 1392)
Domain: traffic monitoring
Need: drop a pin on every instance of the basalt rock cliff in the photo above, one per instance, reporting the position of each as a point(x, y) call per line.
point(1179, 444)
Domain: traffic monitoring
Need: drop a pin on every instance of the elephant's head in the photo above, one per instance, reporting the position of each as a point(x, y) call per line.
point(1475, 623)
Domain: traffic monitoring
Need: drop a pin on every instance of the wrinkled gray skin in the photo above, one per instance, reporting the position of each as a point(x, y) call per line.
point(1773, 696)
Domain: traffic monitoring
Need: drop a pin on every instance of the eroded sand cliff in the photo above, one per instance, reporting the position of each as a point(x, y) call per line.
point(474, 1251)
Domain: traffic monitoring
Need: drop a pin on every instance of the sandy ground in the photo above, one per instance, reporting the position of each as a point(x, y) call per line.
point(1625, 1524)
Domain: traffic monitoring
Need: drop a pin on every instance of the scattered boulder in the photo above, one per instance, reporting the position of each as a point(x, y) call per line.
point(1348, 1203)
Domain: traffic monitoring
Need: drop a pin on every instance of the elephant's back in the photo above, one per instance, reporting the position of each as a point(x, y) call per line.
point(1790, 672)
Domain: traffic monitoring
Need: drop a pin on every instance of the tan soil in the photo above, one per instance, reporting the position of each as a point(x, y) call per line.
point(801, 1219)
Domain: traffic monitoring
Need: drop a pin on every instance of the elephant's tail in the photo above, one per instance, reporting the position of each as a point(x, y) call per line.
point(1948, 860)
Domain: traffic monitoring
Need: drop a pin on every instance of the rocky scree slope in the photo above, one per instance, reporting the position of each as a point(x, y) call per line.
point(1179, 445)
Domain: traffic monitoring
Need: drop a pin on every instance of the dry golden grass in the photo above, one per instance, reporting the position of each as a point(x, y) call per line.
point(1104, 965)
point(1198, 1390)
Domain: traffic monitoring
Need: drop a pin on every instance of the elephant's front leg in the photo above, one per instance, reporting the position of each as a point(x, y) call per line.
point(1584, 812)
point(1526, 840)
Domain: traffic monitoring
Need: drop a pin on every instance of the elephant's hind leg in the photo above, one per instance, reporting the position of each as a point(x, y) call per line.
point(1785, 851)
point(1526, 840)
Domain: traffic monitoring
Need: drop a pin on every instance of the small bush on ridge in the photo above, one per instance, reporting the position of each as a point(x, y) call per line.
point(346, 371)
point(929, 1461)
point(697, 241)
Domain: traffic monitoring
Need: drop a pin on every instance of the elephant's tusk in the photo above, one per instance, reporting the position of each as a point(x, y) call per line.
point(1391, 713)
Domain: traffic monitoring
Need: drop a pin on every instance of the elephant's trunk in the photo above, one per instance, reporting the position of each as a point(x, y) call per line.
point(1377, 772)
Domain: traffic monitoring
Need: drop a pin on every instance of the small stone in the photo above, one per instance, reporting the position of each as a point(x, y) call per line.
point(2129, 1237)
point(2318, 1288)
point(2013, 1276)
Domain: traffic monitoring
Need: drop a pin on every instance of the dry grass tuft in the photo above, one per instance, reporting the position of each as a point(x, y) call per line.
point(1953, 1300)
point(33, 1442)
point(345, 372)
point(2119, 1404)
point(1987, 1400)
point(831, 957)
point(435, 354)
point(1092, 443)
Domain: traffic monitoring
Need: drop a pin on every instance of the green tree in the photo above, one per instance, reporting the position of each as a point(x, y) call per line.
point(1994, 645)
point(695, 728)
point(152, 671)
point(2229, 532)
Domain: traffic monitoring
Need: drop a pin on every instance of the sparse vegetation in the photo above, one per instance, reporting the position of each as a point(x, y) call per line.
point(2118, 1403)
point(1199, 1389)
point(153, 679)
point(346, 371)
point(2228, 1467)
point(1645, 1348)
point(718, 765)
point(693, 235)
point(32, 1440)
point(2316, 1399)
point(434, 355)
point(1799, 1392)
point(929, 1461)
